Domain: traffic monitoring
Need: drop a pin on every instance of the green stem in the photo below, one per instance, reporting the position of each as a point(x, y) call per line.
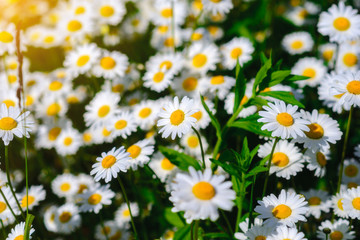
point(251, 201)
point(103, 226)
point(192, 230)
point(240, 201)
point(201, 147)
point(196, 229)
point(344, 149)
point(7, 203)
point(3, 229)
point(227, 222)
point(268, 167)
point(128, 204)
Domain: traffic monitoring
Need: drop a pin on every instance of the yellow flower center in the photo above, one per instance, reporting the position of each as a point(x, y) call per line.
point(215, 1)
point(166, 164)
point(103, 111)
point(297, 44)
point(105, 132)
point(3, 207)
point(20, 237)
point(74, 25)
point(163, 29)
point(80, 10)
point(316, 131)
point(177, 117)
point(106, 230)
point(12, 78)
point(336, 235)
point(7, 123)
point(107, 63)
point(350, 59)
point(107, 11)
point(353, 87)
point(309, 72)
point(135, 22)
point(30, 200)
point(6, 37)
point(280, 159)
point(217, 80)
point(340, 204)
point(9, 103)
point(29, 101)
point(196, 36)
point(321, 159)
point(197, 115)
point(314, 201)
point(126, 213)
point(49, 39)
point(55, 86)
point(328, 54)
point(108, 161)
point(82, 188)
point(121, 124)
point(68, 141)
point(285, 119)
point(169, 234)
point(87, 137)
point(145, 112)
point(158, 77)
point(235, 53)
point(341, 24)
point(13, 65)
point(134, 151)
point(203, 190)
point(166, 64)
point(65, 187)
point(169, 42)
point(199, 60)
point(53, 109)
point(260, 237)
point(166, 13)
point(193, 141)
point(352, 185)
point(118, 88)
point(116, 236)
point(351, 171)
point(190, 84)
point(356, 203)
point(281, 211)
point(65, 217)
point(54, 133)
point(94, 199)
point(82, 60)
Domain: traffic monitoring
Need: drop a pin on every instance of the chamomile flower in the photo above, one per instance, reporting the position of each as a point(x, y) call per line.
point(175, 118)
point(6, 212)
point(7, 39)
point(328, 52)
point(287, 209)
point(68, 142)
point(145, 114)
point(347, 85)
point(13, 122)
point(51, 107)
point(329, 100)
point(283, 120)
point(167, 63)
point(94, 198)
point(237, 49)
point(216, 6)
point(67, 218)
point(35, 195)
point(18, 232)
point(166, 11)
point(123, 124)
point(200, 194)
point(202, 117)
point(140, 153)
point(65, 185)
point(258, 232)
point(189, 84)
point(162, 166)
point(110, 164)
point(110, 11)
point(337, 205)
point(286, 161)
point(341, 23)
point(351, 202)
point(351, 170)
point(112, 231)
point(244, 226)
point(110, 65)
point(192, 144)
point(284, 232)
point(338, 230)
point(76, 27)
point(317, 161)
point(157, 81)
point(297, 43)
point(203, 57)
point(319, 201)
point(309, 67)
point(220, 85)
point(348, 58)
point(122, 214)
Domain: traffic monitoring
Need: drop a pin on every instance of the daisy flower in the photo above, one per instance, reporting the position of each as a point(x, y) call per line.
point(220, 85)
point(110, 11)
point(65, 185)
point(111, 231)
point(244, 226)
point(48, 133)
point(110, 164)
point(217, 6)
point(18, 232)
point(122, 214)
point(49, 218)
point(351, 202)
point(328, 52)
point(94, 198)
point(203, 57)
point(189, 84)
point(145, 114)
point(341, 23)
point(50, 107)
point(337, 205)
point(67, 218)
point(123, 124)
point(167, 63)
point(348, 58)
point(5, 209)
point(284, 232)
point(68, 142)
point(309, 67)
point(283, 120)
point(111, 64)
point(200, 194)
point(317, 161)
point(163, 12)
point(297, 42)
point(35, 195)
point(192, 145)
point(323, 130)
point(258, 232)
point(75, 27)
point(157, 80)
point(12, 123)
point(318, 201)
point(140, 153)
point(161, 166)
point(7, 39)
point(339, 230)
point(287, 209)
point(202, 117)
point(329, 100)
point(347, 85)
point(175, 118)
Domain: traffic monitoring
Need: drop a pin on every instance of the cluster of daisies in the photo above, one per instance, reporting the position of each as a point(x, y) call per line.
point(114, 114)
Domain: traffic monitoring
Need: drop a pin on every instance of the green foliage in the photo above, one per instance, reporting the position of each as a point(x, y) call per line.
point(284, 96)
point(261, 75)
point(173, 218)
point(181, 160)
point(29, 219)
point(251, 124)
point(214, 121)
point(240, 86)
point(183, 233)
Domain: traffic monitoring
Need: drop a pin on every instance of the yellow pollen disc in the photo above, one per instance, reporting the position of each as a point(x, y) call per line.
point(166, 13)
point(316, 131)
point(336, 235)
point(87, 137)
point(2, 207)
point(65, 217)
point(166, 164)
point(9, 103)
point(217, 80)
point(309, 72)
point(158, 77)
point(340, 204)
point(20, 237)
point(199, 60)
point(197, 115)
point(12, 79)
point(31, 83)
point(134, 151)
point(107, 63)
point(163, 29)
point(197, 4)
point(303, 13)
point(280, 159)
point(54, 133)
point(350, 59)
point(352, 185)
point(169, 234)
point(341, 24)
point(353, 87)
point(107, 11)
point(82, 188)
point(121, 124)
point(74, 25)
point(108, 161)
point(12, 66)
point(169, 42)
point(328, 54)
point(8, 123)
point(61, 74)
point(6, 37)
point(351, 171)
point(126, 213)
point(215, 1)
point(150, 134)
point(190, 84)
point(103, 111)
point(166, 64)
point(106, 230)
point(68, 141)
point(212, 30)
point(65, 187)
point(145, 112)
point(82, 60)
point(72, 99)
point(203, 190)
point(118, 88)
point(53, 109)
point(321, 159)
point(281, 211)
point(116, 236)
point(94, 199)
point(105, 132)
point(80, 10)
point(29, 101)
point(193, 141)
point(55, 86)
point(177, 117)
point(356, 203)
point(285, 119)
point(314, 201)
point(196, 36)
point(30, 200)
point(260, 237)
point(235, 53)
point(49, 39)
point(297, 44)
point(135, 22)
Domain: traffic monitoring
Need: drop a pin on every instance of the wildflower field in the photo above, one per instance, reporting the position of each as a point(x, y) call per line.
point(179, 119)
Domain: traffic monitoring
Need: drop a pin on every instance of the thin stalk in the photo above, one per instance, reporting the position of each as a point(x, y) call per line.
point(7, 203)
point(201, 147)
point(251, 202)
point(344, 149)
point(192, 230)
point(196, 229)
point(239, 203)
point(3, 229)
point(268, 167)
point(227, 222)
point(128, 204)
point(103, 226)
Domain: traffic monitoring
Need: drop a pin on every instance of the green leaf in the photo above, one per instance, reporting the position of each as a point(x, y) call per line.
point(217, 235)
point(183, 233)
point(296, 78)
point(261, 75)
point(240, 86)
point(256, 170)
point(28, 223)
point(181, 160)
point(173, 218)
point(228, 168)
point(278, 65)
point(251, 124)
point(284, 96)
point(278, 76)
point(263, 58)
point(214, 121)
point(258, 101)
